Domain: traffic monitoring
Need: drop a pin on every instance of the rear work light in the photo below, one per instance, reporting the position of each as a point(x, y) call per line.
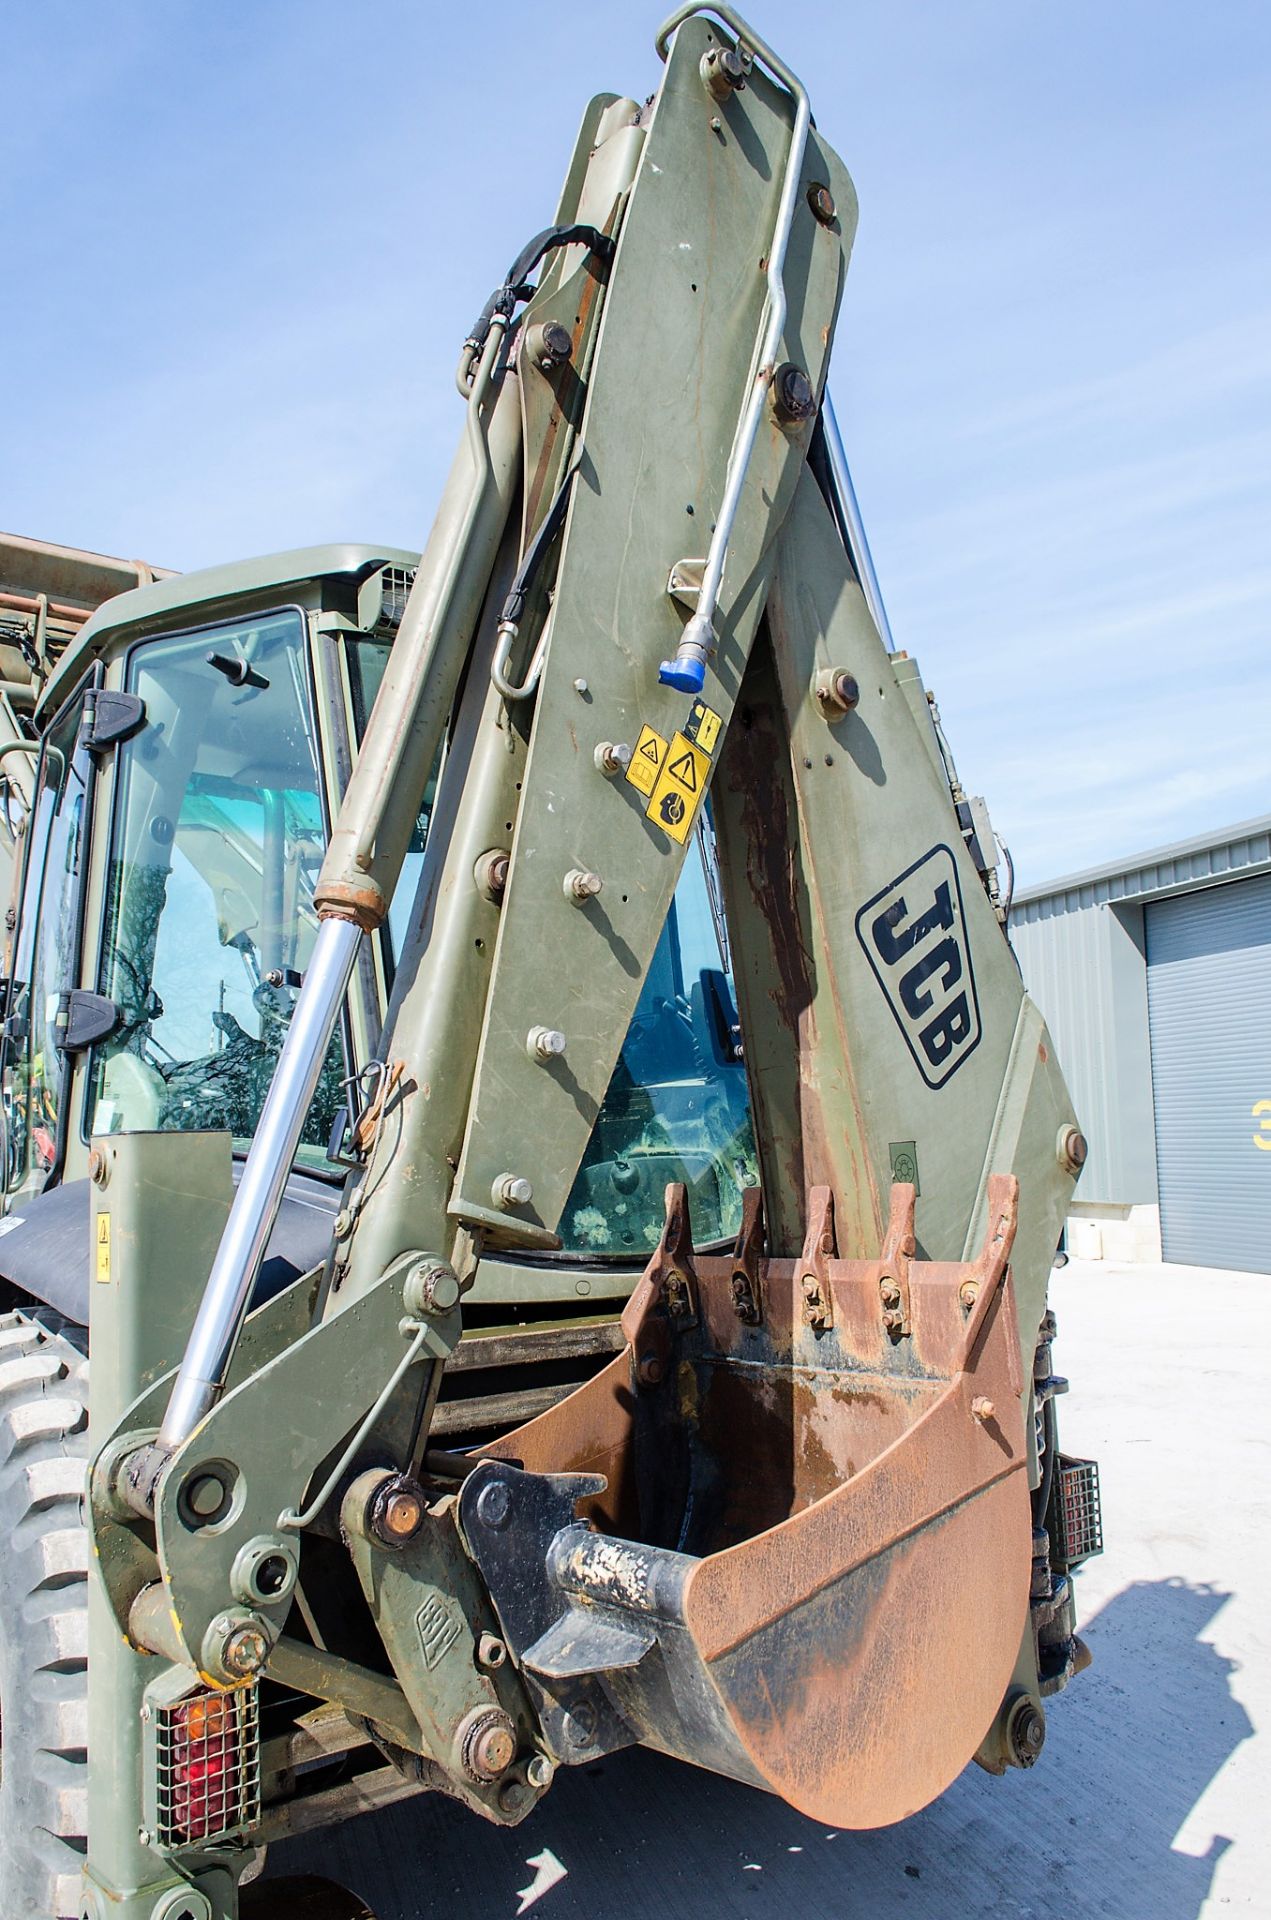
point(206, 1765)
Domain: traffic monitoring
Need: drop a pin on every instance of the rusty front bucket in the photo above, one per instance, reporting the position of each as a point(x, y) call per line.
point(786, 1534)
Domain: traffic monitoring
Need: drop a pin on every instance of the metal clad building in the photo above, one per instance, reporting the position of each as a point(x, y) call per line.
point(1155, 978)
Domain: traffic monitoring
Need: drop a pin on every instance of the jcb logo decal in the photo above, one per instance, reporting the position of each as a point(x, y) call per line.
point(914, 933)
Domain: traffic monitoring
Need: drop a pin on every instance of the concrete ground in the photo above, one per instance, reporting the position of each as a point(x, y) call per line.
point(1150, 1801)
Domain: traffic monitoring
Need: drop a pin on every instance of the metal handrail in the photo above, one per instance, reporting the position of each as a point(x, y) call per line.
point(687, 670)
point(853, 526)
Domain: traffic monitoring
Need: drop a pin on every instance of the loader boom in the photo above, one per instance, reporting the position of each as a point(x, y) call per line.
point(794, 1529)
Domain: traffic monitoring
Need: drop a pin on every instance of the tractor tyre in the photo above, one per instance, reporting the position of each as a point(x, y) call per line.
point(44, 1458)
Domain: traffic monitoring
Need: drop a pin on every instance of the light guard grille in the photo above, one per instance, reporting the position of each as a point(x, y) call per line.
point(207, 1766)
point(395, 589)
point(1079, 1518)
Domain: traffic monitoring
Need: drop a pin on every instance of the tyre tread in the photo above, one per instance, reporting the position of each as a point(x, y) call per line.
point(44, 1458)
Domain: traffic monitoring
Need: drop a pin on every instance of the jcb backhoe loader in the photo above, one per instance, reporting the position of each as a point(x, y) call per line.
point(698, 993)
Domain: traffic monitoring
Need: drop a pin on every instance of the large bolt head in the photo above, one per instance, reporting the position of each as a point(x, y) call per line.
point(549, 345)
point(487, 1744)
point(793, 395)
point(494, 1506)
point(821, 201)
point(491, 874)
point(245, 1649)
point(545, 1043)
point(431, 1287)
point(1025, 1732)
point(837, 692)
point(649, 1370)
point(397, 1511)
point(611, 757)
point(580, 884)
point(1074, 1149)
point(511, 1190)
point(723, 72)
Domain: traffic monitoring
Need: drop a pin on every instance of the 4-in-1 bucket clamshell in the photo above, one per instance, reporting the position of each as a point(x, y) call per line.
point(785, 1533)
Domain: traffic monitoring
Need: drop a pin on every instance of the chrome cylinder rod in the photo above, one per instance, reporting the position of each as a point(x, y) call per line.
point(851, 525)
point(238, 1258)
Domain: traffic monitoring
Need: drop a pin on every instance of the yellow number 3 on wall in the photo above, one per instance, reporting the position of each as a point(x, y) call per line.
point(1262, 1114)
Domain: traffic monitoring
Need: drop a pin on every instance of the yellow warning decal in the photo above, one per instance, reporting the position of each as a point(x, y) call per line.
point(680, 786)
point(703, 725)
point(646, 761)
point(103, 1248)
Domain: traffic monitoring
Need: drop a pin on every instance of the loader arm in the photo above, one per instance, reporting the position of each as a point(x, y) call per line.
point(765, 1534)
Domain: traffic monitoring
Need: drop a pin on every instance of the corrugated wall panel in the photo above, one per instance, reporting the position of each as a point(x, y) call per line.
point(1209, 1005)
point(1085, 970)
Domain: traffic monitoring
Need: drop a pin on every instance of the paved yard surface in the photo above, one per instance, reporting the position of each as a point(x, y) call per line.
point(1151, 1800)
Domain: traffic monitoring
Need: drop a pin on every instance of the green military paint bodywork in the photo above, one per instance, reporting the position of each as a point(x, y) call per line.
point(159, 1204)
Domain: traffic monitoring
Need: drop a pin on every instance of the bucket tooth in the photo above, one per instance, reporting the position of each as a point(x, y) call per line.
point(582, 1643)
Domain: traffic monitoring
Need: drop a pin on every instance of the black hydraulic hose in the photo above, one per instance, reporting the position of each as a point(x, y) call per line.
point(552, 522)
point(517, 286)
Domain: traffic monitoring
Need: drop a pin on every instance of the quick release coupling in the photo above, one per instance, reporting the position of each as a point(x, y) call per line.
point(687, 671)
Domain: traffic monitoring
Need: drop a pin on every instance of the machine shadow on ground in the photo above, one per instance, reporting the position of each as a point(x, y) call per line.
point(1131, 1748)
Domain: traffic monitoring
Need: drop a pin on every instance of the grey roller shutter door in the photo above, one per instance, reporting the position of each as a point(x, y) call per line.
point(1209, 1010)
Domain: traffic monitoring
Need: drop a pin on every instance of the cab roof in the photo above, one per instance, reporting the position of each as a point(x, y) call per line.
point(209, 586)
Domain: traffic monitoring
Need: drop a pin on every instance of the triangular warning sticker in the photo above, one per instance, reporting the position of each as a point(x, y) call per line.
point(685, 771)
point(650, 750)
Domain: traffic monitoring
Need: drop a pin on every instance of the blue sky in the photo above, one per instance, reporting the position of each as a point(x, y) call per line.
point(243, 242)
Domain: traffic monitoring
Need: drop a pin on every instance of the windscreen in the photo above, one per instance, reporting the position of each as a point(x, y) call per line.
point(217, 839)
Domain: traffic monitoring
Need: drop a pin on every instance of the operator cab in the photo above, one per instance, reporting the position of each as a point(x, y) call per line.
point(197, 738)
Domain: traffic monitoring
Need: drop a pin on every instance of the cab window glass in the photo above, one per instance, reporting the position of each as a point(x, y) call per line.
point(46, 963)
point(677, 1108)
point(217, 842)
